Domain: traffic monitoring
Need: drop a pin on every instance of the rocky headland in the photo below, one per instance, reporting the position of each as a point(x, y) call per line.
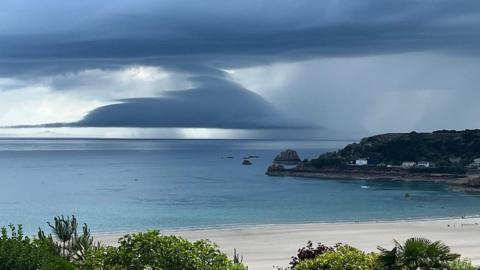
point(441, 156)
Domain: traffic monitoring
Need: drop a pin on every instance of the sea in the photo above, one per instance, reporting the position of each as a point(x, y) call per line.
point(129, 185)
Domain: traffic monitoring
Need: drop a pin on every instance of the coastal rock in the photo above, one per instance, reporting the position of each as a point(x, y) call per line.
point(288, 156)
point(246, 162)
point(275, 168)
point(473, 183)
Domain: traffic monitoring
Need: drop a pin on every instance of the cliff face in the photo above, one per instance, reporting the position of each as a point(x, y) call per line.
point(287, 157)
point(473, 183)
point(445, 148)
point(274, 169)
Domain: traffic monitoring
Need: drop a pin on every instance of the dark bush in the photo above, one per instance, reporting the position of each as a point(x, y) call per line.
point(309, 252)
point(334, 162)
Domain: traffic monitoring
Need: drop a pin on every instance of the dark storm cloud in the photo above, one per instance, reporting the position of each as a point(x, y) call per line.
point(214, 103)
point(223, 34)
point(200, 38)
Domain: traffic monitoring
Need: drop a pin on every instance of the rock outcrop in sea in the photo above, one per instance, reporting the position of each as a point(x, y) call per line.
point(289, 157)
point(246, 162)
point(473, 184)
point(275, 168)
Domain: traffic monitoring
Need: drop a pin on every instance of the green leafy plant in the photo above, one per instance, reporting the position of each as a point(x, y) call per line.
point(310, 252)
point(462, 264)
point(151, 250)
point(102, 257)
point(343, 257)
point(237, 258)
point(19, 252)
point(417, 253)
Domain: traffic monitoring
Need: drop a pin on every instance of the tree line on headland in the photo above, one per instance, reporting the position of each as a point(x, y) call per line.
point(444, 148)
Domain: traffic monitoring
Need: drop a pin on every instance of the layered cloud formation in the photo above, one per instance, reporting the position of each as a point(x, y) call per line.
point(347, 65)
point(57, 37)
point(212, 103)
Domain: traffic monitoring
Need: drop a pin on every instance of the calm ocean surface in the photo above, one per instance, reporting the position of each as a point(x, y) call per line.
point(125, 185)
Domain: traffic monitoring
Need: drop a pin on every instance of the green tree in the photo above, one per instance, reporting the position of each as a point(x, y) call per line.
point(64, 230)
point(417, 253)
point(68, 242)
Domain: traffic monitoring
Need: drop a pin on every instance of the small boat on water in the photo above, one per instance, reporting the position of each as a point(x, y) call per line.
point(364, 187)
point(246, 162)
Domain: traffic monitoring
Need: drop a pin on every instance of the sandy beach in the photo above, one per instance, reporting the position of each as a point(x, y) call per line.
point(266, 246)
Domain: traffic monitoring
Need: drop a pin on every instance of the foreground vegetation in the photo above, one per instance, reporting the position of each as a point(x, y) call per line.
point(67, 248)
point(70, 247)
point(414, 254)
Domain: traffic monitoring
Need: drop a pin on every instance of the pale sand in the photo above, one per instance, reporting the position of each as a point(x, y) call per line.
point(265, 246)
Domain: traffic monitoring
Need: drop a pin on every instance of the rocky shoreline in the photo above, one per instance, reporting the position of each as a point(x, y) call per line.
point(340, 174)
point(458, 182)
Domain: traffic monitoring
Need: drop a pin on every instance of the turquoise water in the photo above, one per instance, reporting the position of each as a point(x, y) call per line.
point(125, 185)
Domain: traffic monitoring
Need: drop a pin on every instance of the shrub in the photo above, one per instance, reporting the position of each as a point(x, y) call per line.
point(150, 250)
point(98, 258)
point(464, 264)
point(309, 252)
point(343, 257)
point(18, 252)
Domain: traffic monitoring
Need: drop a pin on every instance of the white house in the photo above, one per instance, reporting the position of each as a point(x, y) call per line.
point(361, 162)
point(424, 164)
point(455, 159)
point(475, 164)
point(476, 161)
point(408, 164)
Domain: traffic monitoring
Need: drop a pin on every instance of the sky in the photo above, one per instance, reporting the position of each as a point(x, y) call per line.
point(237, 69)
